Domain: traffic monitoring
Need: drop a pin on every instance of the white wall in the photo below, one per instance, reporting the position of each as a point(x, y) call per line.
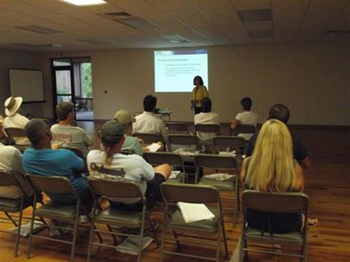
point(312, 79)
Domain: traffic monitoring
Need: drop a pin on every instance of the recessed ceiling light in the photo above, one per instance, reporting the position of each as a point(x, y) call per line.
point(84, 2)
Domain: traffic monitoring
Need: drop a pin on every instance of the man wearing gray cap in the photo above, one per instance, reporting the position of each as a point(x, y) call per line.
point(40, 159)
point(111, 164)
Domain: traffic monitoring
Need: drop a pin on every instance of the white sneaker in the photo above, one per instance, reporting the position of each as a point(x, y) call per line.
point(84, 219)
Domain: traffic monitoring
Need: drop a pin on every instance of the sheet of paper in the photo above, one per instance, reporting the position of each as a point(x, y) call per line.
point(153, 147)
point(195, 212)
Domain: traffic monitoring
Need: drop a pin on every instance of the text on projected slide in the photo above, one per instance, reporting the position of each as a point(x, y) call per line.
point(175, 70)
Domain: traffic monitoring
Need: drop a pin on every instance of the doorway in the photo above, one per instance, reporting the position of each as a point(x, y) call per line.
point(72, 82)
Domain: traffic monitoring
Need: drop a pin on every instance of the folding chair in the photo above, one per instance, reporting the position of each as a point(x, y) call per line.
point(118, 218)
point(14, 134)
point(187, 146)
point(208, 128)
point(228, 166)
point(177, 127)
point(75, 150)
point(173, 219)
point(67, 213)
point(274, 203)
point(175, 160)
point(243, 129)
point(13, 205)
point(230, 145)
point(206, 132)
point(184, 141)
point(148, 138)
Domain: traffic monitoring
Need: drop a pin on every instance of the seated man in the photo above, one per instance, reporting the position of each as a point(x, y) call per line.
point(148, 122)
point(65, 134)
point(131, 145)
point(11, 160)
point(111, 164)
point(14, 119)
point(246, 117)
point(281, 112)
point(206, 117)
point(40, 159)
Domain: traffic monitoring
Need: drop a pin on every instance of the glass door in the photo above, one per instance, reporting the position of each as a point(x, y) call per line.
point(73, 83)
point(64, 84)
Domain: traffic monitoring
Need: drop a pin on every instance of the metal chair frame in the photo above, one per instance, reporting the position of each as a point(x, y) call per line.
point(54, 185)
point(243, 129)
point(274, 203)
point(175, 160)
point(12, 133)
point(116, 189)
point(172, 194)
point(13, 205)
point(221, 162)
point(177, 127)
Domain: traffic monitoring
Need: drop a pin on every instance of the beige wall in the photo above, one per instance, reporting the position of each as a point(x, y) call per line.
point(311, 79)
point(20, 60)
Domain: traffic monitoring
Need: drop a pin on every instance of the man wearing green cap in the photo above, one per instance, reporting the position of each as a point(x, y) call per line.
point(111, 164)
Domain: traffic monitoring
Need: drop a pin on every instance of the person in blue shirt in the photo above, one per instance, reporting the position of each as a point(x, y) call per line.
point(40, 159)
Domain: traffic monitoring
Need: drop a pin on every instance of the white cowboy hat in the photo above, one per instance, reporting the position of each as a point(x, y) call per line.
point(12, 104)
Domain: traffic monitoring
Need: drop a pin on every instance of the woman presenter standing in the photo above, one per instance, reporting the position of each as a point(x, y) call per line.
point(198, 93)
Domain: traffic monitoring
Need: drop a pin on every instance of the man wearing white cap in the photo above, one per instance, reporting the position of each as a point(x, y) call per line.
point(14, 118)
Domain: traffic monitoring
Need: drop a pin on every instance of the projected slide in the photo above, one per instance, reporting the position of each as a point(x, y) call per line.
point(175, 70)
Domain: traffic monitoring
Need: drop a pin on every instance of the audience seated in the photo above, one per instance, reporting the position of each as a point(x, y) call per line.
point(111, 164)
point(271, 168)
point(206, 117)
point(40, 159)
point(11, 160)
point(148, 122)
point(65, 134)
point(14, 119)
point(246, 117)
point(281, 112)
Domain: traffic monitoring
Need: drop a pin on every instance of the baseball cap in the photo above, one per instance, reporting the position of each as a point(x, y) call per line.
point(124, 117)
point(112, 131)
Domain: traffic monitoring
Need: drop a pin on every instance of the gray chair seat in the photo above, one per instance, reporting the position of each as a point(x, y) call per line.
point(57, 211)
point(221, 185)
point(113, 216)
point(211, 226)
point(12, 204)
point(294, 236)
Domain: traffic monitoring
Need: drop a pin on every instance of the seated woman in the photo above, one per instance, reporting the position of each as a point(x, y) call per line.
point(271, 168)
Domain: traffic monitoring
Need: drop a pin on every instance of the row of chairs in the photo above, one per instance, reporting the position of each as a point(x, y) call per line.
point(173, 221)
point(183, 128)
point(218, 143)
point(112, 218)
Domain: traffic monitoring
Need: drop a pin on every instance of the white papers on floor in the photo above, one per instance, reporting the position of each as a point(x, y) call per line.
point(25, 228)
point(195, 212)
point(174, 174)
point(153, 147)
point(131, 245)
point(219, 176)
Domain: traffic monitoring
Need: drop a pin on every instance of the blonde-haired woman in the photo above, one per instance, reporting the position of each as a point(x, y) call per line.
point(272, 169)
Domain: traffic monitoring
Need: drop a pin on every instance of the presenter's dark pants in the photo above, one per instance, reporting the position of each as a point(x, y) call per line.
point(197, 110)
